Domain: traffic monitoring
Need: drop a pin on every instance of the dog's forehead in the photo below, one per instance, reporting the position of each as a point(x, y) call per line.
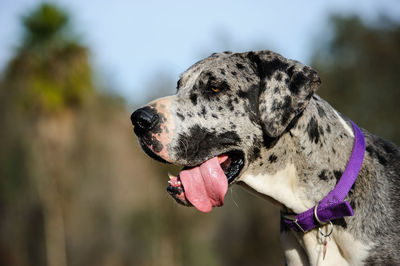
point(216, 62)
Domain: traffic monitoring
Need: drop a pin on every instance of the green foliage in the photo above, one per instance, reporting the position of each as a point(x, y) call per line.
point(43, 24)
point(360, 71)
point(51, 71)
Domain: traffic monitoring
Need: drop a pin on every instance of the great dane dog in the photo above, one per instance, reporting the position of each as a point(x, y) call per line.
point(254, 119)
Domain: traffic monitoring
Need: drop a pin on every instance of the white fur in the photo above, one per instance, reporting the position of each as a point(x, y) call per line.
point(293, 252)
point(280, 186)
point(345, 125)
point(342, 249)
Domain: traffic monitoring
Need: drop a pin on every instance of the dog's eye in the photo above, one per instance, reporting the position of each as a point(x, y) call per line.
point(215, 89)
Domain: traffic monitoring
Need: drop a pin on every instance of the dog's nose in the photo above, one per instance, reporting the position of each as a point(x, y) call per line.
point(144, 119)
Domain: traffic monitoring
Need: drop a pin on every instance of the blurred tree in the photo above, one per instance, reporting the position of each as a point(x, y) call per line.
point(44, 25)
point(55, 67)
point(43, 85)
point(360, 70)
point(74, 187)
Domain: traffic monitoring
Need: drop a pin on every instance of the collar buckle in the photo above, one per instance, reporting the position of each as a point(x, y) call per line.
point(292, 217)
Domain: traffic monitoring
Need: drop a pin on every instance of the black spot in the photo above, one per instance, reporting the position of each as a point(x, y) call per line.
point(275, 105)
point(337, 174)
point(234, 73)
point(242, 94)
point(267, 68)
point(321, 130)
point(381, 159)
point(389, 147)
point(220, 108)
point(323, 175)
point(353, 204)
point(224, 86)
point(297, 82)
point(272, 158)
point(321, 111)
point(340, 222)
point(193, 98)
point(210, 76)
point(256, 153)
point(178, 84)
point(269, 142)
point(180, 116)
point(312, 130)
point(333, 150)
point(157, 146)
point(152, 154)
point(276, 89)
point(310, 94)
point(203, 111)
point(215, 116)
point(328, 129)
point(222, 71)
point(240, 66)
point(290, 72)
point(230, 105)
point(374, 153)
point(278, 76)
point(202, 143)
point(287, 109)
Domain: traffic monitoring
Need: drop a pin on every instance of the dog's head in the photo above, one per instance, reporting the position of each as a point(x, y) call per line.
point(227, 108)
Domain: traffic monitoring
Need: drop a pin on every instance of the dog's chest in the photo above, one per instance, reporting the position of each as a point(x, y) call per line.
point(307, 249)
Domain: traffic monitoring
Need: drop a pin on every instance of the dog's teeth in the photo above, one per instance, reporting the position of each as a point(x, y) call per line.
point(171, 176)
point(174, 183)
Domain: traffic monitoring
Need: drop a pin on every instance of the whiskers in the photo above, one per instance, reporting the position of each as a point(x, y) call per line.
point(231, 192)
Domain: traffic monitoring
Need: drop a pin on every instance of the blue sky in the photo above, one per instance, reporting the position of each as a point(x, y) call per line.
point(133, 42)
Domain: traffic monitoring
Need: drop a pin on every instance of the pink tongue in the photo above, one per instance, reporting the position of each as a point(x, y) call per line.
point(205, 185)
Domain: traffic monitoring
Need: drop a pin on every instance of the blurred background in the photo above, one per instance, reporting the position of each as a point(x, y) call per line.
point(75, 189)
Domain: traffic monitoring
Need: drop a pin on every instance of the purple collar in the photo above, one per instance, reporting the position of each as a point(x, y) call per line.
point(333, 206)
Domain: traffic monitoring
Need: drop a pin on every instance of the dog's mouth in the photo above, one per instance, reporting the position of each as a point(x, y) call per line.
point(204, 186)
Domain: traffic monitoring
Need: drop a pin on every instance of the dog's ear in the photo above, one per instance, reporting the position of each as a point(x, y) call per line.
point(286, 87)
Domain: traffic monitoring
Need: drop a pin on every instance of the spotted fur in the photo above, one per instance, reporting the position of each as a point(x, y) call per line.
point(295, 146)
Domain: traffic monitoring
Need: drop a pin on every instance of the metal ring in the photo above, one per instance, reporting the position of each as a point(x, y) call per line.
point(327, 234)
point(316, 216)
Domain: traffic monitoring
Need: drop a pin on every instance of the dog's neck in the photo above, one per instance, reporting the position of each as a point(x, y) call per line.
point(306, 162)
point(303, 166)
